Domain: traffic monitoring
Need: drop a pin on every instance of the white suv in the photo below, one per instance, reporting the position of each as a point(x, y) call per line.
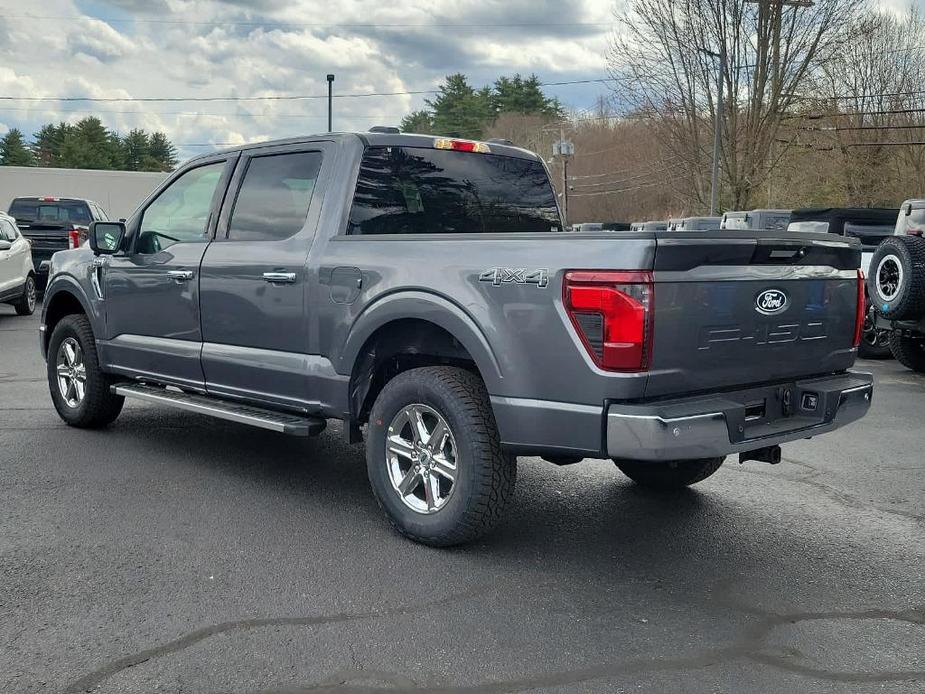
point(17, 276)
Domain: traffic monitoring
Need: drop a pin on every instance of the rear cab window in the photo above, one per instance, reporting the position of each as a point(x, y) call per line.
point(50, 212)
point(419, 190)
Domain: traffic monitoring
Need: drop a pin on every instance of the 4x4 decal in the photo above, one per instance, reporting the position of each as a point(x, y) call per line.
point(507, 275)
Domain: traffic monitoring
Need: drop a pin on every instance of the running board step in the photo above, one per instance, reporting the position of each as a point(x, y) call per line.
point(282, 422)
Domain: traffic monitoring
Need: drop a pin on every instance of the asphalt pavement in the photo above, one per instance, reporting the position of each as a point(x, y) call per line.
point(175, 553)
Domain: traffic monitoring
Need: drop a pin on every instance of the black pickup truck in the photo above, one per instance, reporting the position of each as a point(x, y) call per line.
point(420, 289)
point(53, 224)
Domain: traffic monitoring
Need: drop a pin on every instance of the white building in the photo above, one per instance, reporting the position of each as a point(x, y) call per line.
point(118, 192)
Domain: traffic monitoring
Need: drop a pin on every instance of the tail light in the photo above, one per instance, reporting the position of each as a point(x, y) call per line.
point(75, 237)
point(861, 311)
point(612, 314)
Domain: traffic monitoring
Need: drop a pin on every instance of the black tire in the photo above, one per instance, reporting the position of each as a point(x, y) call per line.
point(669, 474)
point(99, 406)
point(909, 351)
point(896, 285)
point(875, 342)
point(484, 476)
point(25, 305)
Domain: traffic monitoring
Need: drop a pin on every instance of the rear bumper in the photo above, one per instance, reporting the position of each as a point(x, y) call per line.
point(739, 421)
point(702, 426)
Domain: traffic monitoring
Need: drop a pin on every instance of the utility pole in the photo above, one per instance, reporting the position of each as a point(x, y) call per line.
point(564, 149)
point(772, 11)
point(717, 127)
point(330, 102)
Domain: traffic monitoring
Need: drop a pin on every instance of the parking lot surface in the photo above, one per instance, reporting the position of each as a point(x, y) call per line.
point(176, 553)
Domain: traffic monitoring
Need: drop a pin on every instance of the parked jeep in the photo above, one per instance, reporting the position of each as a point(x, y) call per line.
point(870, 225)
point(419, 288)
point(896, 285)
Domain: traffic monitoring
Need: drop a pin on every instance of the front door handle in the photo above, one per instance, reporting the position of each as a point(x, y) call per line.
point(180, 275)
point(279, 277)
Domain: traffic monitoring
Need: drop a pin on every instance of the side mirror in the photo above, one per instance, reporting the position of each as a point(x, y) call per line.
point(5, 245)
point(106, 237)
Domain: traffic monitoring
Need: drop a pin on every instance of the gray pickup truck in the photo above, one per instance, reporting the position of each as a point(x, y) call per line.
point(419, 288)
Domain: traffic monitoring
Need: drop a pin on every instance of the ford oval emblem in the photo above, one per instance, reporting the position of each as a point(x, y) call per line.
point(771, 301)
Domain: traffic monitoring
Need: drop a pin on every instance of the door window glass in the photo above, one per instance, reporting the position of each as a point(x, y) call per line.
point(181, 212)
point(6, 231)
point(274, 197)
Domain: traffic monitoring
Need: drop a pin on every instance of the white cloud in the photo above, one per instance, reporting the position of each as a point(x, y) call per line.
point(245, 48)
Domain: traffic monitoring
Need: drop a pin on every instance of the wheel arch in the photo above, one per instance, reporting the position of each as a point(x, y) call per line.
point(62, 300)
point(409, 330)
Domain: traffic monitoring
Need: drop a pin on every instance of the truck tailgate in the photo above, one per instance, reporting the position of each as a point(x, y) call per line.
point(733, 309)
point(48, 238)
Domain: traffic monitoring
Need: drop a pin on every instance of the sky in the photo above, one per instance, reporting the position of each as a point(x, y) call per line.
point(254, 48)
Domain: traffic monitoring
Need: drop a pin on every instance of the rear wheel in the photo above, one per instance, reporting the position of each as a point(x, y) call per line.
point(79, 388)
point(25, 306)
point(434, 457)
point(909, 351)
point(875, 342)
point(669, 474)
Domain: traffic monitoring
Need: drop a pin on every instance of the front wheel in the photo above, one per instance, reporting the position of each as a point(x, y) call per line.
point(669, 474)
point(434, 456)
point(79, 388)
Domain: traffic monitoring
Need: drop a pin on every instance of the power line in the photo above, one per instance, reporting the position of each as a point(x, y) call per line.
point(849, 97)
point(619, 181)
point(824, 129)
point(621, 190)
point(885, 112)
point(243, 114)
point(600, 175)
point(300, 97)
point(332, 25)
point(832, 148)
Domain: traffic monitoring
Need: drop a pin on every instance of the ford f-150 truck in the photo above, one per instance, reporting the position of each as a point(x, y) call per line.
point(420, 289)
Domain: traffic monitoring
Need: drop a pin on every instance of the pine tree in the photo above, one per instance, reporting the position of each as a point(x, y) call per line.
point(418, 122)
point(46, 145)
point(162, 152)
point(13, 150)
point(525, 96)
point(136, 150)
point(459, 110)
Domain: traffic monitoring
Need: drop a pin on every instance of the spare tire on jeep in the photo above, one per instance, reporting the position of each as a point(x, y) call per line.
point(896, 285)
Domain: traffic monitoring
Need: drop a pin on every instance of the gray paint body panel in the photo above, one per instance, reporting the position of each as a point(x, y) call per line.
point(297, 346)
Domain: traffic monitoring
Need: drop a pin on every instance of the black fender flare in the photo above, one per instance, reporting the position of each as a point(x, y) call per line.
point(429, 307)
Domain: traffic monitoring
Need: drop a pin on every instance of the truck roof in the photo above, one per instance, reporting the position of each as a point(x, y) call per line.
point(52, 198)
point(381, 139)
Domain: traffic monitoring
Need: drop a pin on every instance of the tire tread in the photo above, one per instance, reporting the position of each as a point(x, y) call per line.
point(101, 406)
point(496, 471)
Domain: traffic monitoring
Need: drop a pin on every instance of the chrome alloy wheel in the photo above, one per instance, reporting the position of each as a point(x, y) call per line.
point(72, 373)
point(889, 278)
point(421, 457)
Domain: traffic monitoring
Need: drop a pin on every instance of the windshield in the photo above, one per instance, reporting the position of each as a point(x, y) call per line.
point(414, 190)
point(58, 212)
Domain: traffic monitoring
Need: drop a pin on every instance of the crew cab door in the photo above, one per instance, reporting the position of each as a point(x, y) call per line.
point(150, 293)
point(253, 278)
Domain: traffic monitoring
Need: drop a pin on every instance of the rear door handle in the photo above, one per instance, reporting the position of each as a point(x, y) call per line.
point(279, 277)
point(180, 275)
